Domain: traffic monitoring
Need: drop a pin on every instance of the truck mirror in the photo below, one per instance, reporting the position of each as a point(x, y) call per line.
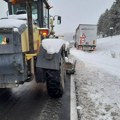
point(59, 20)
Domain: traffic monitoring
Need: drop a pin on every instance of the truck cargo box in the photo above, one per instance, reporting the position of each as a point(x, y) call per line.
point(85, 37)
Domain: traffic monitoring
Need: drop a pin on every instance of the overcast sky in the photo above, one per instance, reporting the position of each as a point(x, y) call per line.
point(75, 12)
point(3, 9)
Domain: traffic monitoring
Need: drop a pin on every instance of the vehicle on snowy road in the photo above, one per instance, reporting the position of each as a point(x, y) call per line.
point(85, 37)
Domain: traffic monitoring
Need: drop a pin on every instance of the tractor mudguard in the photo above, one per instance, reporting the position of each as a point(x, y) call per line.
point(47, 61)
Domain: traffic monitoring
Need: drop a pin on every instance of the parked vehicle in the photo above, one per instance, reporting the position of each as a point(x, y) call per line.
point(85, 37)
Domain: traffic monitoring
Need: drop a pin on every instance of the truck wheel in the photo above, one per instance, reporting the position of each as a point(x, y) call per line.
point(55, 82)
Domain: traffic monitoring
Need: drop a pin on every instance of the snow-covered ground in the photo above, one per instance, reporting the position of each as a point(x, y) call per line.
point(97, 80)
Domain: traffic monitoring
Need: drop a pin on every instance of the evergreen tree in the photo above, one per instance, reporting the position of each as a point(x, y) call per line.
point(100, 23)
point(110, 19)
point(103, 23)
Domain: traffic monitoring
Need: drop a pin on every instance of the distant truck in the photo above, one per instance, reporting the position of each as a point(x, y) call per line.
point(85, 37)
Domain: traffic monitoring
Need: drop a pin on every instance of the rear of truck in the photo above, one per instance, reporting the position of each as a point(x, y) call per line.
point(86, 36)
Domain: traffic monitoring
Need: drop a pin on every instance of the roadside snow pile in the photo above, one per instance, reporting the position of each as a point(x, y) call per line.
point(52, 45)
point(109, 46)
point(97, 80)
point(106, 56)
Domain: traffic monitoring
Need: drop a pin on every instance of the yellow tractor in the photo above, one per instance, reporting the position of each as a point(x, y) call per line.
point(23, 55)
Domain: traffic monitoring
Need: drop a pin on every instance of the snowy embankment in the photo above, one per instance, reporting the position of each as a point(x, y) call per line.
point(97, 80)
point(106, 56)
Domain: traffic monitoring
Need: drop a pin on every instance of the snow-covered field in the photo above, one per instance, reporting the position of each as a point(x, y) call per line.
point(97, 80)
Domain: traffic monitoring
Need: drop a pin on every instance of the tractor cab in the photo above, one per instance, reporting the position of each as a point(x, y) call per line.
point(40, 11)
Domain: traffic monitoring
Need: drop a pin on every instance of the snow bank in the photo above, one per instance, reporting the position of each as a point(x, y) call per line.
point(11, 23)
point(108, 45)
point(52, 45)
point(98, 80)
point(106, 56)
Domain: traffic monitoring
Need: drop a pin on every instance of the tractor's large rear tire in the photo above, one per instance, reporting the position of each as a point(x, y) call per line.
point(55, 81)
point(54, 85)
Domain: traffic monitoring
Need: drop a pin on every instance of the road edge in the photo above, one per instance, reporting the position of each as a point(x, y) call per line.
point(73, 108)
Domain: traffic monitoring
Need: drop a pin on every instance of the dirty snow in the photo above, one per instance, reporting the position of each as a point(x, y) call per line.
point(52, 45)
point(97, 81)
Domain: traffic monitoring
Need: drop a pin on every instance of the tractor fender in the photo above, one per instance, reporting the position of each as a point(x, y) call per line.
point(48, 61)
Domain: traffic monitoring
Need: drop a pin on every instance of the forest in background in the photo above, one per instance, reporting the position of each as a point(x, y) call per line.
point(109, 21)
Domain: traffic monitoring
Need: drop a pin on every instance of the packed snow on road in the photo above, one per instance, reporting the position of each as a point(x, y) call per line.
point(97, 81)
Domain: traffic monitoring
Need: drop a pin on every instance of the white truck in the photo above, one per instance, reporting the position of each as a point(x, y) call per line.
point(85, 37)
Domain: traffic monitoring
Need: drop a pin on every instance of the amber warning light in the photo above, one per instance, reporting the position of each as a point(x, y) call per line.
point(17, 1)
point(12, 1)
point(44, 31)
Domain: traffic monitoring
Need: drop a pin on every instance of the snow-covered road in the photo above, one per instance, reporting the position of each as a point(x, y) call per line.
point(97, 81)
point(98, 93)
